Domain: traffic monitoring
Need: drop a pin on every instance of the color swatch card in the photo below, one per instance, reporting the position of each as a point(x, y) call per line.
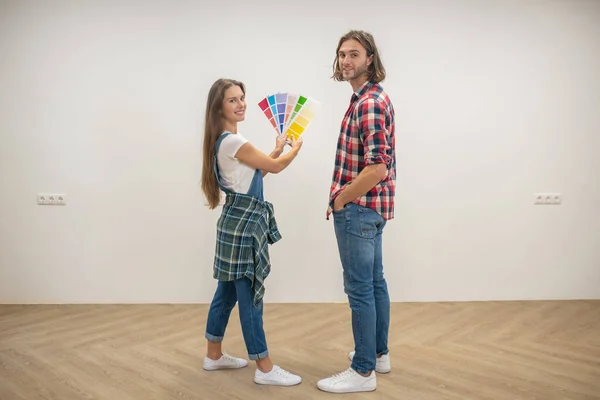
point(289, 113)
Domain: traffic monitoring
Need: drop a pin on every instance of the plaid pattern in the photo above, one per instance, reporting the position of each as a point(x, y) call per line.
point(244, 230)
point(367, 136)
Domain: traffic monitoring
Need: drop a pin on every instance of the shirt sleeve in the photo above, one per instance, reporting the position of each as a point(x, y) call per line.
point(231, 144)
point(373, 132)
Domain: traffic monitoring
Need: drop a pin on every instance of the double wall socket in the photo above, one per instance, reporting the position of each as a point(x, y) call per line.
point(51, 199)
point(547, 198)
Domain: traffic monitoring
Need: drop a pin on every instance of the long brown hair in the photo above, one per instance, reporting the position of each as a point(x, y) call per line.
point(376, 70)
point(213, 128)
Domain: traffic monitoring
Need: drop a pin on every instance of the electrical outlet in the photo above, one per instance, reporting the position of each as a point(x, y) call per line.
point(51, 199)
point(547, 198)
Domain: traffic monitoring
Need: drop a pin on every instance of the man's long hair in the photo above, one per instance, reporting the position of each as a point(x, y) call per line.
point(376, 69)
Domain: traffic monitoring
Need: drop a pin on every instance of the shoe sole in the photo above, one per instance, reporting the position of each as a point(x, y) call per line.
point(347, 391)
point(220, 368)
point(276, 383)
point(382, 371)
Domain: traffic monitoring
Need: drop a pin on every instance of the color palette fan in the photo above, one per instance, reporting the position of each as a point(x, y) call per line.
point(289, 113)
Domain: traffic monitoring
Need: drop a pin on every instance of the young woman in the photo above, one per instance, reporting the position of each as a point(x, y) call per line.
point(244, 230)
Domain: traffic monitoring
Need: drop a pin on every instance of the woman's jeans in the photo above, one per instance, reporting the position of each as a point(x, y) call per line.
point(251, 318)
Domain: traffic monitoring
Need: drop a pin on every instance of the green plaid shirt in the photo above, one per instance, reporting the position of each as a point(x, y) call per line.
point(244, 230)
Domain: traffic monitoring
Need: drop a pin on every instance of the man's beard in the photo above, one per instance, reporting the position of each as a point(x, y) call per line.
point(358, 72)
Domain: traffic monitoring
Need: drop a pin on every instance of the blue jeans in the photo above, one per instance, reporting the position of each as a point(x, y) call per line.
point(359, 236)
point(251, 318)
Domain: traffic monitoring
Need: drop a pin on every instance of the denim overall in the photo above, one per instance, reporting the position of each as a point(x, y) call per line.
point(239, 290)
point(256, 187)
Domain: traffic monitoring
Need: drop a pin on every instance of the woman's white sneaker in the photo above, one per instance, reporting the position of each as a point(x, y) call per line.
point(277, 377)
point(383, 364)
point(225, 362)
point(348, 381)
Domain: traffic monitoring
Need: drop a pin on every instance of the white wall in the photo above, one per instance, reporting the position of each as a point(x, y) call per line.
point(104, 101)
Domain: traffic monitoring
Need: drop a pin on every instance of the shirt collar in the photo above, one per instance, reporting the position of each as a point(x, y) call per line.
point(362, 89)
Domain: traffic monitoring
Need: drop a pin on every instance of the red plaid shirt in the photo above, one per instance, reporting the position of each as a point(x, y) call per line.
point(367, 137)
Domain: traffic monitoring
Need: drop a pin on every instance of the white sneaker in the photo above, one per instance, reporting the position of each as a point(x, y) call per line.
point(277, 377)
point(348, 381)
point(225, 362)
point(383, 364)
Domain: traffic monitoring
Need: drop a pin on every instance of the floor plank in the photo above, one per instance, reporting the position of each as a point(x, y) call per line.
point(473, 350)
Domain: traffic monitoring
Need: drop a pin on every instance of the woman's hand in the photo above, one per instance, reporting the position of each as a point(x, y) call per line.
point(280, 142)
point(296, 143)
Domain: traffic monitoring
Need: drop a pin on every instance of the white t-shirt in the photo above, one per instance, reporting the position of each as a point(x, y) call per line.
point(235, 175)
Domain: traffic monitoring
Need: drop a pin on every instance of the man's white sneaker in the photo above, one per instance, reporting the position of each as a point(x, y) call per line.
point(277, 377)
point(383, 364)
point(225, 362)
point(348, 381)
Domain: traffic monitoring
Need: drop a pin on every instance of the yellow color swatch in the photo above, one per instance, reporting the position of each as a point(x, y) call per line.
point(297, 128)
point(302, 121)
point(292, 134)
point(308, 113)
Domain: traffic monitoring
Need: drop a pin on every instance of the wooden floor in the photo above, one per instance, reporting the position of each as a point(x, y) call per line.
point(488, 350)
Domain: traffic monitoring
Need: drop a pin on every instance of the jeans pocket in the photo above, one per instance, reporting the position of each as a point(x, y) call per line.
point(368, 223)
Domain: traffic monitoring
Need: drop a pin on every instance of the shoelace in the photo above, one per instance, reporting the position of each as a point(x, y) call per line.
point(229, 358)
point(281, 371)
point(343, 375)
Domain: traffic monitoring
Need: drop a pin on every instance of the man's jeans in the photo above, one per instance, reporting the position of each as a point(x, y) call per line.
point(251, 318)
point(359, 234)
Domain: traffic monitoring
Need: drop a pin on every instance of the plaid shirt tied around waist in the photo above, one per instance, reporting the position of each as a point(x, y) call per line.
point(367, 136)
point(244, 230)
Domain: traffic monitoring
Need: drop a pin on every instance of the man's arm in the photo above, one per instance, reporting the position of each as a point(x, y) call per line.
point(373, 132)
point(370, 176)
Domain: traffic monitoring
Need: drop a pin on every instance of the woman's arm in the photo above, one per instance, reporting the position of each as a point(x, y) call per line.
point(250, 155)
point(280, 143)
